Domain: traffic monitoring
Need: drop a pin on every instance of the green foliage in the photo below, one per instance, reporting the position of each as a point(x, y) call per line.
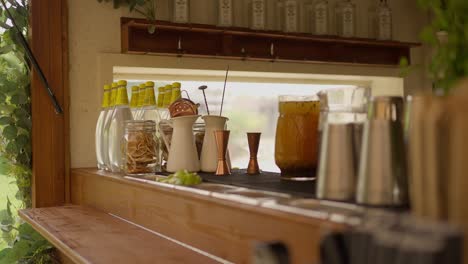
point(146, 8)
point(448, 34)
point(25, 245)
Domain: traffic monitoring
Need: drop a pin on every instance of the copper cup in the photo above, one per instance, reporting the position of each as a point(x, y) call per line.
point(254, 142)
point(222, 139)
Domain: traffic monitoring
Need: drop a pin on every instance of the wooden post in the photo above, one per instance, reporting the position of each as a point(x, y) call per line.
point(50, 141)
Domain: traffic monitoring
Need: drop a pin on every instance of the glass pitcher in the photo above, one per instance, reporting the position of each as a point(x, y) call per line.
point(296, 147)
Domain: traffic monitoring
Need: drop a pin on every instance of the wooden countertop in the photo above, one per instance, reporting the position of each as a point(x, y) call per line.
point(86, 235)
point(220, 227)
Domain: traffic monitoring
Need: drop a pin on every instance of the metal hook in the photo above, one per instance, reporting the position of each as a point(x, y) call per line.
point(180, 51)
point(272, 52)
point(244, 54)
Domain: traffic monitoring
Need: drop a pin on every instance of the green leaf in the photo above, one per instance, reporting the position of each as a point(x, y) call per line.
point(4, 253)
point(21, 113)
point(12, 148)
point(19, 99)
point(23, 159)
point(24, 123)
point(5, 168)
point(19, 251)
point(6, 49)
point(22, 141)
point(9, 208)
point(6, 120)
point(10, 132)
point(4, 25)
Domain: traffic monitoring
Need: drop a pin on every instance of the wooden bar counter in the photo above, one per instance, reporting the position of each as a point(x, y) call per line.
point(223, 228)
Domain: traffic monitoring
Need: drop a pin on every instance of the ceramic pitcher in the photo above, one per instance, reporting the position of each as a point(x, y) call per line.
point(209, 151)
point(183, 151)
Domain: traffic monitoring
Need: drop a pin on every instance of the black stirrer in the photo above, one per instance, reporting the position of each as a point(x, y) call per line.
point(33, 60)
point(224, 91)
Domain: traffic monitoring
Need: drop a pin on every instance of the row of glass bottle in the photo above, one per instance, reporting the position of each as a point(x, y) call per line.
point(289, 13)
point(116, 113)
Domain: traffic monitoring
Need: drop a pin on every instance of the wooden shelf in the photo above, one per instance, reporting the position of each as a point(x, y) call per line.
point(86, 235)
point(223, 228)
point(242, 43)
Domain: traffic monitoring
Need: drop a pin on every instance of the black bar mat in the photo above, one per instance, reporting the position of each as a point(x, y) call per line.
point(266, 181)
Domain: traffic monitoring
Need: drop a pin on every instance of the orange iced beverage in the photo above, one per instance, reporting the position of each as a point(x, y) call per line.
point(296, 146)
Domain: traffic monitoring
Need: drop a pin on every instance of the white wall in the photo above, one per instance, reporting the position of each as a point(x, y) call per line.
point(94, 35)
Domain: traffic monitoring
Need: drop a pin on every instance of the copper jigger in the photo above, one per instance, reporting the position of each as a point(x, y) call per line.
point(254, 141)
point(222, 139)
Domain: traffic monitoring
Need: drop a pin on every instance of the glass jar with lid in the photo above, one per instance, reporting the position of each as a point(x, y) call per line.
point(296, 147)
point(140, 148)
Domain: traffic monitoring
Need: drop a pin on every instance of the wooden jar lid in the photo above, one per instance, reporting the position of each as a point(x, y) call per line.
point(183, 107)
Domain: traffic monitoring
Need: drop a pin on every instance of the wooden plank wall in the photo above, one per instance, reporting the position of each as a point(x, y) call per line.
point(50, 139)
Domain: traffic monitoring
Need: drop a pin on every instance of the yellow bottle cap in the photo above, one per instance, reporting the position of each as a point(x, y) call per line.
point(150, 97)
point(113, 94)
point(142, 96)
point(122, 83)
point(122, 97)
point(161, 92)
point(135, 97)
point(167, 95)
point(106, 99)
point(176, 85)
point(115, 85)
point(149, 84)
point(176, 94)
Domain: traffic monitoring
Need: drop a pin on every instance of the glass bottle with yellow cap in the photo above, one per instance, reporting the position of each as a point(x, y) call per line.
point(121, 114)
point(161, 94)
point(100, 126)
point(167, 95)
point(107, 121)
point(151, 113)
point(134, 101)
point(176, 94)
point(141, 101)
point(163, 112)
point(150, 108)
